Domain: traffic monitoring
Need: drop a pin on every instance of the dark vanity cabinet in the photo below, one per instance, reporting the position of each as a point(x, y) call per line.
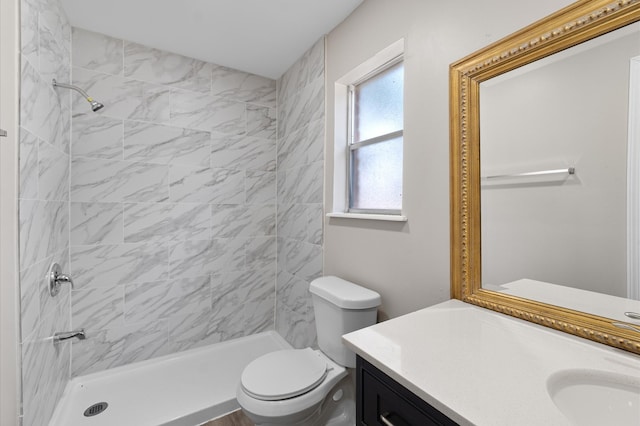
point(383, 401)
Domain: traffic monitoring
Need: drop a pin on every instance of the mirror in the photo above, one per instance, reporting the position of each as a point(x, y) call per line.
point(555, 175)
point(543, 218)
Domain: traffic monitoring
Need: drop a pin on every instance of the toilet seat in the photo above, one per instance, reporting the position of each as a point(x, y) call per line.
point(284, 374)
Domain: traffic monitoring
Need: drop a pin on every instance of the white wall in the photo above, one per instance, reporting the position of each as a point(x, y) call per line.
point(9, 290)
point(568, 113)
point(408, 263)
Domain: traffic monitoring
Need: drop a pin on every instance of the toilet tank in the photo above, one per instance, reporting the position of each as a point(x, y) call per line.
point(341, 307)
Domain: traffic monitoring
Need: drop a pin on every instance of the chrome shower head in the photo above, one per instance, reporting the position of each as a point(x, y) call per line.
point(95, 106)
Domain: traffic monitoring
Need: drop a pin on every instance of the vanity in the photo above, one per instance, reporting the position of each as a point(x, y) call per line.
point(462, 364)
point(382, 399)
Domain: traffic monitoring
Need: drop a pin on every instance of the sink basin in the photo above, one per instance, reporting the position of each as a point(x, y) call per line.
point(593, 397)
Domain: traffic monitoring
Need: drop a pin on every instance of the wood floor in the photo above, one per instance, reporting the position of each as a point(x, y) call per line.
point(237, 418)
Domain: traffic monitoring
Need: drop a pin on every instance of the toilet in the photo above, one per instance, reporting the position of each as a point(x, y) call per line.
point(309, 386)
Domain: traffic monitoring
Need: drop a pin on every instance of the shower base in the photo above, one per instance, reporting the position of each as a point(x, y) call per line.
point(183, 389)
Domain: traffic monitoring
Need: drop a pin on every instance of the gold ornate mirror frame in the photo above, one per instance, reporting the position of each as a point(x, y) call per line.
point(577, 23)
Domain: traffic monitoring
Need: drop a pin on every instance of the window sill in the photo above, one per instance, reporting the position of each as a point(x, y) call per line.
point(369, 216)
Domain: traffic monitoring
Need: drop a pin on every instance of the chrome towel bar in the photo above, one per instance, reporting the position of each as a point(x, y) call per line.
point(569, 170)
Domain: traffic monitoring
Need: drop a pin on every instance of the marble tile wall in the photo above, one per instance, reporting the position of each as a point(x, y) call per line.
point(300, 194)
point(44, 158)
point(172, 201)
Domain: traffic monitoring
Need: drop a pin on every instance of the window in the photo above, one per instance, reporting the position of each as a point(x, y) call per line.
point(375, 137)
point(368, 138)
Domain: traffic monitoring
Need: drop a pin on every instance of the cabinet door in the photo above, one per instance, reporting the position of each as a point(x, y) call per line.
point(382, 401)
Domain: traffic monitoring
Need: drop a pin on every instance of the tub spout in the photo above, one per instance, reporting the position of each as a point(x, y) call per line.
point(66, 335)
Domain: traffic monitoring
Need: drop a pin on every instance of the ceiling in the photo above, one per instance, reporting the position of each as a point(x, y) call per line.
point(263, 37)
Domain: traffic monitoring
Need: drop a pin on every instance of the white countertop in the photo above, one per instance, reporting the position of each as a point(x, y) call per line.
point(480, 367)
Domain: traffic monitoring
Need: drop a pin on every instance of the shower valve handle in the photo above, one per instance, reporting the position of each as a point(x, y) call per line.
point(56, 279)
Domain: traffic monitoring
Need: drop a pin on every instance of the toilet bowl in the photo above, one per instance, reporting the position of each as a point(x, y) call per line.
point(269, 397)
point(312, 386)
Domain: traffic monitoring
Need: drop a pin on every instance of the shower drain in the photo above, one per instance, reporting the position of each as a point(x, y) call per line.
point(95, 409)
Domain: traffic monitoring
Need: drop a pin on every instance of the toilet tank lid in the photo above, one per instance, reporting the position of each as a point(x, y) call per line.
point(344, 294)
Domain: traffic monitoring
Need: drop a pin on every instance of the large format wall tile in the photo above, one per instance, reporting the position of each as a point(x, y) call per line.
point(54, 311)
point(293, 293)
point(53, 173)
point(301, 259)
point(30, 282)
point(45, 132)
point(119, 346)
point(300, 194)
point(113, 264)
point(154, 143)
point(303, 146)
point(206, 185)
point(259, 314)
point(28, 165)
point(96, 223)
point(261, 122)
point(196, 258)
point(29, 10)
point(110, 180)
point(300, 185)
point(229, 220)
point(260, 187)
point(36, 304)
point(37, 103)
point(167, 299)
point(173, 202)
point(298, 329)
point(302, 222)
point(44, 229)
point(305, 70)
point(298, 111)
point(97, 308)
point(52, 19)
point(55, 56)
point(97, 136)
point(166, 222)
point(261, 252)
point(243, 152)
point(153, 65)
point(97, 52)
point(122, 97)
point(45, 374)
point(206, 112)
point(205, 328)
point(242, 86)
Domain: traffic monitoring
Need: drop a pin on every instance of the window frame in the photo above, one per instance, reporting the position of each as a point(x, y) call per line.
point(339, 184)
point(351, 146)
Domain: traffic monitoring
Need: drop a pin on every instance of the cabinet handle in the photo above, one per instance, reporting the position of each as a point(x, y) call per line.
point(384, 418)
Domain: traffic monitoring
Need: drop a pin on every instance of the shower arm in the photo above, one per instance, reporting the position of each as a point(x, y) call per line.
point(72, 87)
point(95, 105)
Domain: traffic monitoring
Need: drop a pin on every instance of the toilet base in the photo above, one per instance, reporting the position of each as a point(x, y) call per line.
point(337, 409)
point(343, 411)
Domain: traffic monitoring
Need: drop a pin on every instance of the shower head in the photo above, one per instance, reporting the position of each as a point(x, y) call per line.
point(95, 105)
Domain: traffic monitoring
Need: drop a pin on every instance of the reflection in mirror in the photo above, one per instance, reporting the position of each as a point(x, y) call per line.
point(556, 245)
point(556, 182)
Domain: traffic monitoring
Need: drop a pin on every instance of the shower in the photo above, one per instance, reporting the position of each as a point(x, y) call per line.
point(95, 105)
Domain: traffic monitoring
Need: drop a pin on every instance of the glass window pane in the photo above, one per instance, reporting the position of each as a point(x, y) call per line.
point(376, 172)
point(378, 104)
